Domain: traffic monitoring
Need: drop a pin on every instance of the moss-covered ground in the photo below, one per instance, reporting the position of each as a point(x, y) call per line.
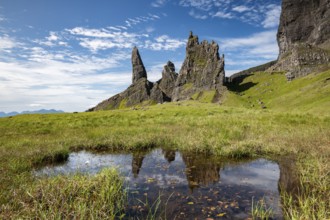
point(296, 121)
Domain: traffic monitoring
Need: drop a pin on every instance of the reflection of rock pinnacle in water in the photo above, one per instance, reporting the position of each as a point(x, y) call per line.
point(200, 171)
point(169, 155)
point(137, 161)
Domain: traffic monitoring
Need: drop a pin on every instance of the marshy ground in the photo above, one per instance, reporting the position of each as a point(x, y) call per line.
point(295, 122)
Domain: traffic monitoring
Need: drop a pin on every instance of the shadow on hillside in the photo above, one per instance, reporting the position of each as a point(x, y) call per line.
point(236, 87)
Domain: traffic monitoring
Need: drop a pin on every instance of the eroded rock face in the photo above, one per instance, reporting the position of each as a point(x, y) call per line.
point(167, 82)
point(304, 36)
point(139, 70)
point(202, 69)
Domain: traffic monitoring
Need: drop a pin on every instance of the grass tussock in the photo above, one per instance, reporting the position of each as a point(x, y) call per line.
point(75, 197)
point(312, 199)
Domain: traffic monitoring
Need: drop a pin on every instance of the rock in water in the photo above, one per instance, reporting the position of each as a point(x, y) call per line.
point(139, 70)
point(304, 37)
point(202, 69)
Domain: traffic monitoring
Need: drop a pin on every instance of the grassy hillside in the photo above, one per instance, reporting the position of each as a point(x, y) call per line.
point(296, 121)
point(307, 94)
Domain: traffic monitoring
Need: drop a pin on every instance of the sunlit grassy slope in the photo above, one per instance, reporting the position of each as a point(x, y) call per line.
point(271, 90)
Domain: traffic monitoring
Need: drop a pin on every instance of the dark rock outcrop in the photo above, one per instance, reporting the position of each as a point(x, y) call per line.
point(202, 69)
point(139, 70)
point(304, 37)
point(169, 76)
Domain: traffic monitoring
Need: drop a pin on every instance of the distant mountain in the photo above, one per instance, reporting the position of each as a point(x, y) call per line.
point(41, 111)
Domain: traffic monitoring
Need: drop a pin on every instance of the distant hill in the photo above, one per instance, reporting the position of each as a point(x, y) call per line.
point(41, 111)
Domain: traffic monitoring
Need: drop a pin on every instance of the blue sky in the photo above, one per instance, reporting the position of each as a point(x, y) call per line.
point(70, 55)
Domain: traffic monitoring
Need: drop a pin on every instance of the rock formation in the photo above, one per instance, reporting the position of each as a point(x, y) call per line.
point(202, 70)
point(139, 70)
point(304, 37)
point(141, 90)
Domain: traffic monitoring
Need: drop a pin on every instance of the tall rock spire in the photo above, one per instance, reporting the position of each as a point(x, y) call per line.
point(138, 68)
point(202, 69)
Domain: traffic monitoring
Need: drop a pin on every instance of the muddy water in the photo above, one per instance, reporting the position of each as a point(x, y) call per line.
point(189, 186)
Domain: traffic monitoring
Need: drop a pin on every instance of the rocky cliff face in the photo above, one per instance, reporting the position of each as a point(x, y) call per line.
point(304, 36)
point(202, 70)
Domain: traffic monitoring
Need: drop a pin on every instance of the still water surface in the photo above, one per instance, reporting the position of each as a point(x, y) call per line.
point(189, 186)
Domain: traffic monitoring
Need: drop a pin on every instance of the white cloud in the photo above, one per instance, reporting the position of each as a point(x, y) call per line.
point(164, 42)
point(272, 16)
point(61, 80)
point(193, 14)
point(241, 8)
point(158, 3)
point(255, 40)
point(94, 45)
point(257, 12)
point(7, 42)
point(52, 36)
point(221, 14)
point(204, 5)
point(243, 53)
point(102, 39)
point(52, 40)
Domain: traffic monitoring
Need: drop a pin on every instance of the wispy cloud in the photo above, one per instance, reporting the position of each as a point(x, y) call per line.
point(164, 42)
point(130, 22)
point(193, 14)
point(249, 51)
point(7, 42)
point(52, 40)
point(241, 8)
point(204, 5)
point(158, 3)
point(272, 16)
point(258, 12)
point(221, 14)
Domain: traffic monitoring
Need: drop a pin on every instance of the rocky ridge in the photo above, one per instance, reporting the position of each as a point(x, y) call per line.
point(303, 37)
point(202, 70)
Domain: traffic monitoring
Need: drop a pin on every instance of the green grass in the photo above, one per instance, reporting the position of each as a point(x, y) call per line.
point(76, 197)
point(204, 96)
point(306, 94)
point(123, 104)
point(233, 129)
